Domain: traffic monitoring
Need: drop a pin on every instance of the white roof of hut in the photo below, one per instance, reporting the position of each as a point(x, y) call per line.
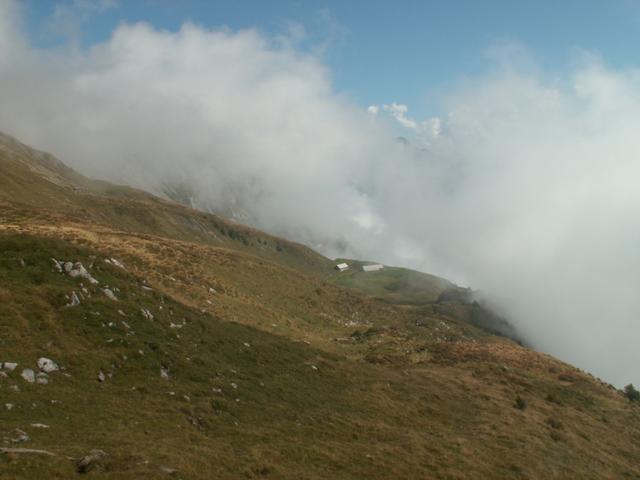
point(372, 268)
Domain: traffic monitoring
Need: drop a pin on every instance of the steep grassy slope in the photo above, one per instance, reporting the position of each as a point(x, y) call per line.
point(272, 371)
point(397, 399)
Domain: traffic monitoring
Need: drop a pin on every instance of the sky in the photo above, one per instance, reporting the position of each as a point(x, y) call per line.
point(379, 51)
point(517, 174)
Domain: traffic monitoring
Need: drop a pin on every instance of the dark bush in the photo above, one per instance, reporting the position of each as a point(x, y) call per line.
point(631, 393)
point(521, 403)
point(554, 423)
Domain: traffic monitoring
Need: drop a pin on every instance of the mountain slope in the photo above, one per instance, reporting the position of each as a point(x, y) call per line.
point(33, 179)
point(221, 359)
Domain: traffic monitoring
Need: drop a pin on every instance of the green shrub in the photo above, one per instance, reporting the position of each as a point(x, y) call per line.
point(631, 393)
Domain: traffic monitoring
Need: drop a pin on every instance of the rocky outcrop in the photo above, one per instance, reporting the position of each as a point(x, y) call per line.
point(74, 270)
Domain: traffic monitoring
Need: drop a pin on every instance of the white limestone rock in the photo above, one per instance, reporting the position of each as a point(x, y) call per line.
point(28, 375)
point(117, 263)
point(74, 300)
point(77, 270)
point(109, 293)
point(57, 265)
point(11, 366)
point(47, 365)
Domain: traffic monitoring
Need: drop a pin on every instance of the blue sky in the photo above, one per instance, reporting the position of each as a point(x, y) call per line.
point(382, 51)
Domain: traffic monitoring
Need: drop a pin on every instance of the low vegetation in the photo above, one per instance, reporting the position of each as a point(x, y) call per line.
point(632, 393)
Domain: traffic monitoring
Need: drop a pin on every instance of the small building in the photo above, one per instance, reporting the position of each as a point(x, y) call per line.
point(372, 268)
point(342, 267)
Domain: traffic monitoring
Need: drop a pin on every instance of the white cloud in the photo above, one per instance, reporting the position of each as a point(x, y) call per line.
point(527, 190)
point(399, 112)
point(12, 41)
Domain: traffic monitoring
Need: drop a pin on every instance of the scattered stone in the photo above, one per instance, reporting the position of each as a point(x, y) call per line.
point(117, 263)
point(57, 265)
point(75, 301)
point(8, 406)
point(22, 264)
point(47, 365)
point(42, 378)
point(147, 314)
point(101, 377)
point(11, 366)
point(109, 293)
point(247, 345)
point(39, 425)
point(88, 462)
point(120, 312)
point(314, 367)
point(15, 388)
point(234, 385)
point(77, 270)
point(26, 450)
point(167, 470)
point(28, 375)
point(22, 436)
point(164, 373)
point(126, 325)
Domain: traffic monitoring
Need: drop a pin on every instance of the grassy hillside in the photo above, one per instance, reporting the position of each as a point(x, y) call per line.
point(394, 284)
point(221, 359)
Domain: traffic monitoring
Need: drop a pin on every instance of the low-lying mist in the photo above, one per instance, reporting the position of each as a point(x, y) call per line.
point(527, 188)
